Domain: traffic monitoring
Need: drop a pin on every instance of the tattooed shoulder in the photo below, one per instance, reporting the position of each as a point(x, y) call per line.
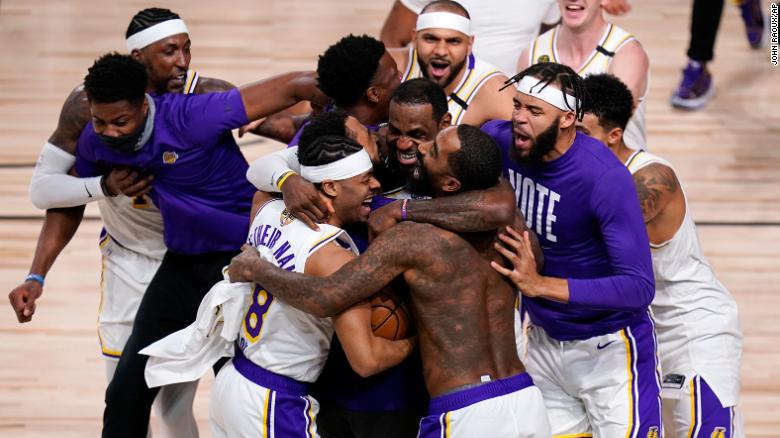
point(654, 184)
point(74, 116)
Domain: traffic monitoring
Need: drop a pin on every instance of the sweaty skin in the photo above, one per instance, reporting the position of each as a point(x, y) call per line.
point(464, 316)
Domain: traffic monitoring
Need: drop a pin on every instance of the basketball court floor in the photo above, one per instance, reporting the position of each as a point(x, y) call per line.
point(51, 373)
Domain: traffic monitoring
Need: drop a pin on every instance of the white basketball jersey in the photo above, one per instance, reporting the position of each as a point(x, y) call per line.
point(478, 72)
point(545, 49)
point(275, 335)
point(136, 223)
point(695, 317)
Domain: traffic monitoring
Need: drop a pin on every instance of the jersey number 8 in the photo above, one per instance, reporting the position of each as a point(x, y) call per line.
point(253, 321)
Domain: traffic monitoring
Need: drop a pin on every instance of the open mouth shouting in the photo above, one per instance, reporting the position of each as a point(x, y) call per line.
point(439, 69)
point(521, 139)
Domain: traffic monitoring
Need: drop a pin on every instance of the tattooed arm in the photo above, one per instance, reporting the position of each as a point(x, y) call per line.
point(656, 185)
point(386, 258)
point(476, 210)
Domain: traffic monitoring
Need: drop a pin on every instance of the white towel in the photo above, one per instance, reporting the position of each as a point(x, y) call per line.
point(187, 354)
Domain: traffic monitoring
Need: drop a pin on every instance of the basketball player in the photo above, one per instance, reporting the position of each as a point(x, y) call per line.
point(589, 44)
point(442, 52)
point(471, 368)
point(699, 339)
point(501, 29)
point(359, 75)
point(281, 349)
point(131, 242)
point(591, 348)
point(203, 223)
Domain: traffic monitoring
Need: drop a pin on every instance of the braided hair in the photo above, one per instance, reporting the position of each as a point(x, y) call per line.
point(557, 74)
point(147, 18)
point(327, 149)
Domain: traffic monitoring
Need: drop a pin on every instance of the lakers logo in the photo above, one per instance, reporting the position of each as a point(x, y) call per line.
point(285, 218)
point(170, 157)
point(543, 58)
point(652, 432)
point(141, 202)
point(719, 432)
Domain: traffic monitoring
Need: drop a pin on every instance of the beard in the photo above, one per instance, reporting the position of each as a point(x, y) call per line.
point(419, 184)
point(447, 80)
point(541, 146)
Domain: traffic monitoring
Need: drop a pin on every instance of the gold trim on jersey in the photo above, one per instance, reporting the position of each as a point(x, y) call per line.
point(467, 87)
point(190, 82)
point(410, 72)
point(632, 158)
point(315, 246)
point(596, 53)
point(607, 41)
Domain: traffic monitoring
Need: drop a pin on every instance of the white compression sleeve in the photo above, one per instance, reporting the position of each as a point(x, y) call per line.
point(52, 187)
point(266, 170)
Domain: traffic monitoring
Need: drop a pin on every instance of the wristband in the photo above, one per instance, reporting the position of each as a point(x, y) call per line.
point(404, 215)
point(34, 277)
point(283, 179)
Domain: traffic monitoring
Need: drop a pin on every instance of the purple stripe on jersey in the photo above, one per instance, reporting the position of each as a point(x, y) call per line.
point(712, 419)
point(268, 379)
point(293, 416)
point(433, 426)
point(584, 209)
point(469, 396)
point(646, 387)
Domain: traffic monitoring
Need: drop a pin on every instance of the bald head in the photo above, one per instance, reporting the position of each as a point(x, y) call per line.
point(446, 6)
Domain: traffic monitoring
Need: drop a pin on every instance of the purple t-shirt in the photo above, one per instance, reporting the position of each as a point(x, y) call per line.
point(199, 173)
point(585, 210)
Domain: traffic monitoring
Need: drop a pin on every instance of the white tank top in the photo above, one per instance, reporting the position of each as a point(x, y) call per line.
point(545, 49)
point(136, 223)
point(275, 335)
point(478, 72)
point(695, 317)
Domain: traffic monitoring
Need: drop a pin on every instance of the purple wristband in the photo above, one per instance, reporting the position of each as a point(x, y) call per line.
point(403, 209)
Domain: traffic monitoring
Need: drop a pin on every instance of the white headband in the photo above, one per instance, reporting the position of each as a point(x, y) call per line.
point(444, 20)
point(549, 94)
point(156, 33)
point(344, 168)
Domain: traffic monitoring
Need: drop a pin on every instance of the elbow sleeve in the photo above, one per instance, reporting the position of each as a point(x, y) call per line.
point(266, 170)
point(52, 187)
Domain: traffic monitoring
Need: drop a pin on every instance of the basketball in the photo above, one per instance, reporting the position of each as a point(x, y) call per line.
point(390, 316)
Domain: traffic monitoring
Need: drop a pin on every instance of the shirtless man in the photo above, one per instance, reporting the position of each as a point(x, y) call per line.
point(467, 339)
point(442, 52)
point(277, 338)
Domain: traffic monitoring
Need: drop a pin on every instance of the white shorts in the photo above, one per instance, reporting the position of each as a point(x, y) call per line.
point(242, 408)
point(123, 281)
point(510, 407)
point(605, 386)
